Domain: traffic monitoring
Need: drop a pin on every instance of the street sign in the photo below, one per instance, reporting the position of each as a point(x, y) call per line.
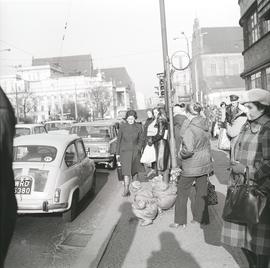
point(180, 60)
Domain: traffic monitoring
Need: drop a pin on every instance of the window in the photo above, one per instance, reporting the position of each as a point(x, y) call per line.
point(268, 78)
point(42, 130)
point(213, 69)
point(81, 150)
point(71, 155)
point(256, 80)
point(253, 28)
point(264, 26)
point(36, 130)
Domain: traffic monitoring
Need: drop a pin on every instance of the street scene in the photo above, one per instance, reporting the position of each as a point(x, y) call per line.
point(135, 134)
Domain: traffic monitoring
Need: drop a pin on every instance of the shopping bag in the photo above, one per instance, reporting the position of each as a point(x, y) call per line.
point(149, 154)
point(223, 140)
point(212, 198)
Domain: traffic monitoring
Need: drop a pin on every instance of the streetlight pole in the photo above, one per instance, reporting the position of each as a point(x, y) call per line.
point(168, 91)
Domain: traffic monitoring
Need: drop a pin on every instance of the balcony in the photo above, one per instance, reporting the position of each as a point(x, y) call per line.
point(264, 9)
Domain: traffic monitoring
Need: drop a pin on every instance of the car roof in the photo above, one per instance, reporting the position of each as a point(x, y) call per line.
point(46, 139)
point(28, 125)
point(97, 123)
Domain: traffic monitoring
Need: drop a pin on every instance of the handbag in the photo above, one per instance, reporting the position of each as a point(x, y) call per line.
point(119, 171)
point(223, 140)
point(212, 198)
point(149, 155)
point(243, 204)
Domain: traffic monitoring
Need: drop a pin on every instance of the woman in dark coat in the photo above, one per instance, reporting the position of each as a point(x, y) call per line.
point(8, 204)
point(196, 159)
point(252, 150)
point(129, 145)
point(161, 143)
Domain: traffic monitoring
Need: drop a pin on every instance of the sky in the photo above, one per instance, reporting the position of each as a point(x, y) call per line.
point(115, 32)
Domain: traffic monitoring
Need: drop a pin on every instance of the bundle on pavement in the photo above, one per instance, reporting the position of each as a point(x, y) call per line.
point(144, 204)
point(164, 193)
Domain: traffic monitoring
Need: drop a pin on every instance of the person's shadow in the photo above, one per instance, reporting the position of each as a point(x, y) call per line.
point(171, 254)
point(121, 239)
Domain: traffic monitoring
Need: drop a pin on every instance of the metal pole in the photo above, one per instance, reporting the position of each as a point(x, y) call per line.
point(76, 108)
point(168, 91)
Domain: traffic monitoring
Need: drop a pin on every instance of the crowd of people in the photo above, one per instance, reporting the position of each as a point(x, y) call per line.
point(242, 128)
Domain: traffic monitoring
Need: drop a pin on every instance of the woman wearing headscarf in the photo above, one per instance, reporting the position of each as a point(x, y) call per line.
point(252, 150)
point(161, 143)
point(196, 157)
point(128, 149)
point(8, 204)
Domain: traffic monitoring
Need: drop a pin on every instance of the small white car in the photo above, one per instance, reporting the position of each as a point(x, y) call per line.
point(52, 174)
point(59, 126)
point(29, 129)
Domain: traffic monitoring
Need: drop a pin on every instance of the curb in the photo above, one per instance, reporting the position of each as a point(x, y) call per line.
point(92, 254)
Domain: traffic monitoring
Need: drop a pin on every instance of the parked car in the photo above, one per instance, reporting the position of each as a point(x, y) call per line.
point(28, 129)
point(59, 126)
point(100, 140)
point(52, 174)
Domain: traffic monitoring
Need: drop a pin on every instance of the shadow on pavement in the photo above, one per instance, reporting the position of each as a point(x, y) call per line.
point(221, 165)
point(121, 239)
point(170, 254)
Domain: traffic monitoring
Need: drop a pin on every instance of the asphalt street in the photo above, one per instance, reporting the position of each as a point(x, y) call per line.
point(48, 241)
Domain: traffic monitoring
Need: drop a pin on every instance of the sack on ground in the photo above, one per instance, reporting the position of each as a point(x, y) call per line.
point(149, 154)
point(223, 140)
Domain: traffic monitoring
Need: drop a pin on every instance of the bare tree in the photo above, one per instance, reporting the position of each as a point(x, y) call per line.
point(27, 103)
point(101, 99)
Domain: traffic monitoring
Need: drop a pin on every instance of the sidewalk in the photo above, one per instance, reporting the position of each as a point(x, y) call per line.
point(121, 242)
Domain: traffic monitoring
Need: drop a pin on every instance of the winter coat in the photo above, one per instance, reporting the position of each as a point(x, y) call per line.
point(129, 145)
point(252, 149)
point(8, 204)
point(161, 145)
point(196, 149)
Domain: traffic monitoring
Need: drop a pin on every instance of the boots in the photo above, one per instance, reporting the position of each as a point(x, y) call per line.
point(126, 186)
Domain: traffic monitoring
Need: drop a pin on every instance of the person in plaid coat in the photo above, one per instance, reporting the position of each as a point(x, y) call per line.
point(252, 150)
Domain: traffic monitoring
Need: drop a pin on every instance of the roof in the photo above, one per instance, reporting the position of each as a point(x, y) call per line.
point(97, 123)
point(45, 139)
point(71, 65)
point(60, 121)
point(222, 40)
point(118, 74)
point(28, 125)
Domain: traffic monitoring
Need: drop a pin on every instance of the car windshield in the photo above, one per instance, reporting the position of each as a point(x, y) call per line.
point(34, 153)
point(91, 131)
point(22, 131)
point(58, 126)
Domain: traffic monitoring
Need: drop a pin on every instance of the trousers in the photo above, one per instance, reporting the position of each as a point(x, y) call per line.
point(200, 208)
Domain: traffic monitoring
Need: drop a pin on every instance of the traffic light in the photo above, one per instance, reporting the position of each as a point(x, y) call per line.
point(162, 86)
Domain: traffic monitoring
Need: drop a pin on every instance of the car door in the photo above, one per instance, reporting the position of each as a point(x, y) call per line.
point(86, 168)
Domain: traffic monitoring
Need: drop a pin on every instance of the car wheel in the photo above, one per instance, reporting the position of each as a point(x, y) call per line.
point(71, 214)
point(112, 164)
point(92, 191)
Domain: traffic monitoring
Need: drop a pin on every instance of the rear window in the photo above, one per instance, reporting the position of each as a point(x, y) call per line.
point(58, 126)
point(34, 153)
point(91, 131)
point(22, 131)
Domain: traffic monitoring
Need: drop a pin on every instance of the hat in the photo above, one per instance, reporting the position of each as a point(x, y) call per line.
point(257, 95)
point(234, 97)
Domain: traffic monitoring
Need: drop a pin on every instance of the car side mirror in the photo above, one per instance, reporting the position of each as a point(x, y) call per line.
point(69, 158)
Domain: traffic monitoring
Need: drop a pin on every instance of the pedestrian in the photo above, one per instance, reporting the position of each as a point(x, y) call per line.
point(195, 154)
point(128, 149)
point(236, 118)
point(161, 143)
point(252, 150)
point(8, 204)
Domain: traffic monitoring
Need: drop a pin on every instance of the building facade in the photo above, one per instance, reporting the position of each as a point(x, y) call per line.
point(255, 21)
point(217, 63)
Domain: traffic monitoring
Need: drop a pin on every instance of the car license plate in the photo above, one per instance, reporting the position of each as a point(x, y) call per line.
point(23, 186)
